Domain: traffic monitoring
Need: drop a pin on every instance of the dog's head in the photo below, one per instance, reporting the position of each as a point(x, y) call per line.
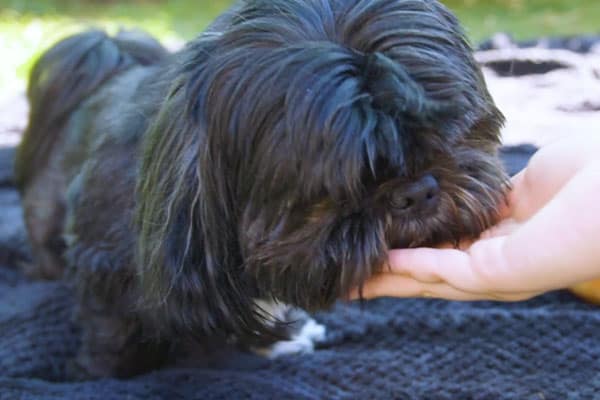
point(304, 141)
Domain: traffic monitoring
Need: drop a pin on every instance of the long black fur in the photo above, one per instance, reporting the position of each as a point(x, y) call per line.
point(262, 161)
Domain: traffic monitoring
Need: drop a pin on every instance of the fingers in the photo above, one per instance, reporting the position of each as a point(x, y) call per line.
point(448, 273)
point(479, 269)
point(436, 265)
point(390, 285)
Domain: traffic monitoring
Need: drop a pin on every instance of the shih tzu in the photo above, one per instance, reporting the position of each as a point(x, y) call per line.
point(263, 170)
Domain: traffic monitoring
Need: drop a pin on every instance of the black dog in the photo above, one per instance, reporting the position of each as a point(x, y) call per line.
point(273, 161)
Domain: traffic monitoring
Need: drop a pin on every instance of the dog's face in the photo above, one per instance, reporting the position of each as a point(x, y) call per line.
point(332, 131)
point(343, 175)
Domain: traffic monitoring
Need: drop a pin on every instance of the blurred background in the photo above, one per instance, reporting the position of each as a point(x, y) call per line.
point(27, 27)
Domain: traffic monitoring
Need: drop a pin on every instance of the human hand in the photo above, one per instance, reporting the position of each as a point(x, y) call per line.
point(547, 238)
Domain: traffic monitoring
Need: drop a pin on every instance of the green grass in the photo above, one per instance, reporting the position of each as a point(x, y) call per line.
point(527, 18)
point(27, 27)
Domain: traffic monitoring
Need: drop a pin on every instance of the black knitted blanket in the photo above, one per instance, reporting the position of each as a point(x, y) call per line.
point(546, 348)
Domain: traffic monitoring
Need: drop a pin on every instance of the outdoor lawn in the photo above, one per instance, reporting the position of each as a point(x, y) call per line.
point(29, 26)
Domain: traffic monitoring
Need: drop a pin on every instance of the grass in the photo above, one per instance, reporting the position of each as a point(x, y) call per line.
point(27, 27)
point(527, 18)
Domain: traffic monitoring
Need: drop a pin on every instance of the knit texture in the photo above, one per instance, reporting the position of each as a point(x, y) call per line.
point(546, 348)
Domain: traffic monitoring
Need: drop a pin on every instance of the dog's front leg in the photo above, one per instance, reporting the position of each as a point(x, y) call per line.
point(113, 346)
point(299, 330)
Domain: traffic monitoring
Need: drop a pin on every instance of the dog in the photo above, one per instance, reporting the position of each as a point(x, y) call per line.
point(260, 173)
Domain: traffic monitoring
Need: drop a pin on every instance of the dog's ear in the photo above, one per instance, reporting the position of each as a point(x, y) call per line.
point(190, 268)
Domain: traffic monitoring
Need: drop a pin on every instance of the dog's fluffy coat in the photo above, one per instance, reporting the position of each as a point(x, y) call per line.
point(263, 161)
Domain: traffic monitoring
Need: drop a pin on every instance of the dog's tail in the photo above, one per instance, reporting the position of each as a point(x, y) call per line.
point(67, 74)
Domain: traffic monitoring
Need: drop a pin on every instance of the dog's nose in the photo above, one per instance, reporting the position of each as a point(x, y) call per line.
point(422, 195)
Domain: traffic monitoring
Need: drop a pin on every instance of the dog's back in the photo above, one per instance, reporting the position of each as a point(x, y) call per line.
point(62, 79)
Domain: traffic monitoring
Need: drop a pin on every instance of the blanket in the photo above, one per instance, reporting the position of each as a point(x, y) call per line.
point(545, 348)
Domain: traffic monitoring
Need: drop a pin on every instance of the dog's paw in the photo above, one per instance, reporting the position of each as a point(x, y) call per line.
point(301, 342)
